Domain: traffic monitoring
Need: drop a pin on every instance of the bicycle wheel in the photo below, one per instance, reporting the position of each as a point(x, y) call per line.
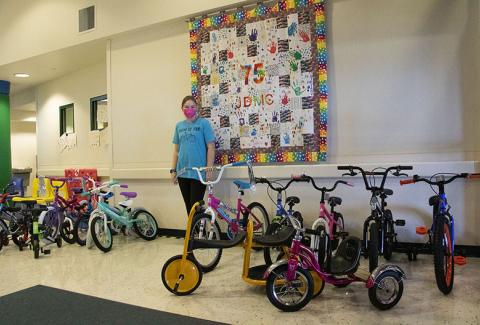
point(3, 233)
point(202, 228)
point(443, 255)
point(101, 237)
point(373, 247)
point(51, 223)
point(272, 254)
point(386, 291)
point(145, 225)
point(36, 247)
point(258, 214)
point(388, 242)
point(181, 282)
point(318, 284)
point(66, 231)
point(80, 230)
point(339, 227)
point(289, 295)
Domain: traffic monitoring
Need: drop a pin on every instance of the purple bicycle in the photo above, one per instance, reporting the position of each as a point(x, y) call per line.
point(205, 226)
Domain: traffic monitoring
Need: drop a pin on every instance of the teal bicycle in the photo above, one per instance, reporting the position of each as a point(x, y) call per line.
point(106, 218)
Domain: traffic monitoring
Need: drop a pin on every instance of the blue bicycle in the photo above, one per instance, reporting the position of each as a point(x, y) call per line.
point(441, 235)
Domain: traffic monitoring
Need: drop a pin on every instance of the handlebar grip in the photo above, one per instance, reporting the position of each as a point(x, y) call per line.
point(299, 178)
point(344, 167)
point(473, 176)
point(124, 185)
point(407, 181)
point(260, 180)
point(239, 163)
point(405, 167)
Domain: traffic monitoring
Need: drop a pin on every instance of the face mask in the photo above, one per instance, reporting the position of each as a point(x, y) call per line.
point(189, 112)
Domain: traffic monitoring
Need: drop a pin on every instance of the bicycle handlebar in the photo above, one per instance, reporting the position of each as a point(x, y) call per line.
point(199, 171)
point(384, 173)
point(278, 189)
point(416, 179)
point(306, 178)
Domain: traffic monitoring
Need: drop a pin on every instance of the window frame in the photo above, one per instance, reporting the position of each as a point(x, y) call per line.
point(93, 112)
point(63, 118)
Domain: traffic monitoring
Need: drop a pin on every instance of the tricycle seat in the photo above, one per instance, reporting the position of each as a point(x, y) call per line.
point(281, 238)
point(215, 243)
point(347, 257)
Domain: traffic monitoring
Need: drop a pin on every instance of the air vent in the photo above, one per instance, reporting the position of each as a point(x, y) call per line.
point(86, 19)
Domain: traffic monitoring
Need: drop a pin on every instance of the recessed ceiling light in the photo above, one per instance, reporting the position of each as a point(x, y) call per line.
point(22, 75)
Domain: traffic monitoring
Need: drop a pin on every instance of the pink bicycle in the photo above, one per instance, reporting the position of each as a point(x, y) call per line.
point(205, 226)
point(329, 228)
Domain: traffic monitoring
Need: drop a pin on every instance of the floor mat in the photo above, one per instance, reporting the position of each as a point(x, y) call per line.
point(46, 305)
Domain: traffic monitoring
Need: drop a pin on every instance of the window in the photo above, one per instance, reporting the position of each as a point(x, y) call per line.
point(67, 124)
point(98, 113)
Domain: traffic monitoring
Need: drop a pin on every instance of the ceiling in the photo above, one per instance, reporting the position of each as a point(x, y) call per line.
point(52, 65)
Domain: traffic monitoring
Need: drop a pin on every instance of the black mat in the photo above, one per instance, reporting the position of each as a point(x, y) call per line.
point(45, 305)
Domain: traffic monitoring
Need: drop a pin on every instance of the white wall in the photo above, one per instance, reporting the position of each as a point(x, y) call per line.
point(24, 146)
point(76, 88)
point(55, 22)
point(402, 89)
point(402, 79)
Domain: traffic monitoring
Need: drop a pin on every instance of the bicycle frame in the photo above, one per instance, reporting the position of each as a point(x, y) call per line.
point(216, 206)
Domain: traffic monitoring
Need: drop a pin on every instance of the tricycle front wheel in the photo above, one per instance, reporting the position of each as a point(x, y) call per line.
point(181, 281)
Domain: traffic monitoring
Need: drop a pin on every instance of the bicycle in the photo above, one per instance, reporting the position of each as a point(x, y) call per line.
point(329, 228)
point(281, 215)
point(9, 214)
point(378, 231)
point(441, 235)
point(290, 284)
point(205, 225)
point(123, 218)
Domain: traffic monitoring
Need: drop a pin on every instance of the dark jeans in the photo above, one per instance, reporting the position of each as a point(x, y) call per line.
point(192, 191)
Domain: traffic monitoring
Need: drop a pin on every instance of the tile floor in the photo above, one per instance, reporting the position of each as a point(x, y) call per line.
point(130, 273)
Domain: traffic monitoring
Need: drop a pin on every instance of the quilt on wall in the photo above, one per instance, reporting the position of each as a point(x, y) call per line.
point(260, 77)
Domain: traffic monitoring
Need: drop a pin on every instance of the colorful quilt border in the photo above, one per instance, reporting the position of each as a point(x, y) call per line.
point(321, 52)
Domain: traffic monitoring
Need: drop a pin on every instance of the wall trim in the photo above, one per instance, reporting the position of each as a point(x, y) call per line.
point(314, 170)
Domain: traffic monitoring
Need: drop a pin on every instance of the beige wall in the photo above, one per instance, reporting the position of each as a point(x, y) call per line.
point(76, 88)
point(24, 146)
point(402, 84)
point(56, 22)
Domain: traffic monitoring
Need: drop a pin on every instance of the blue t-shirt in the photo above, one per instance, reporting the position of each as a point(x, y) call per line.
point(192, 139)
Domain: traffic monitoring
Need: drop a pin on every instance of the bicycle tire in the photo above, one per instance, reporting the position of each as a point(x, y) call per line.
point(301, 275)
point(93, 231)
point(146, 234)
point(443, 255)
point(80, 229)
point(66, 231)
point(213, 254)
point(272, 254)
point(373, 247)
point(388, 242)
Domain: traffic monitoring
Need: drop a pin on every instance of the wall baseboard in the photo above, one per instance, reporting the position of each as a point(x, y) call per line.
point(400, 247)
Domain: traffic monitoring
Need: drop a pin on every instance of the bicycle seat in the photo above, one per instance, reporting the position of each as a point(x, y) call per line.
point(334, 200)
point(347, 257)
point(292, 200)
point(281, 238)
point(205, 243)
point(387, 191)
point(433, 200)
point(241, 184)
point(129, 195)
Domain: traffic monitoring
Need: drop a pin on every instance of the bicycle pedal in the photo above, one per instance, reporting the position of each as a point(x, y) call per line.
point(399, 222)
point(421, 230)
point(46, 251)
